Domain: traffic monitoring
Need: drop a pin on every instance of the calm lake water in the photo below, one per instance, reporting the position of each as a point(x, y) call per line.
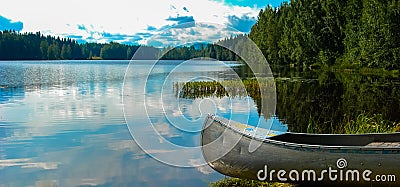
point(62, 123)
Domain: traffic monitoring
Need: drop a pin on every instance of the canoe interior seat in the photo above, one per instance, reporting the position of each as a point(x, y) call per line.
point(339, 139)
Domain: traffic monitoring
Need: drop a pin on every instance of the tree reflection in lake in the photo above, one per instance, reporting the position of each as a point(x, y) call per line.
point(318, 101)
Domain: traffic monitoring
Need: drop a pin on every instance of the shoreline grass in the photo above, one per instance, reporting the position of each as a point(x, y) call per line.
point(362, 123)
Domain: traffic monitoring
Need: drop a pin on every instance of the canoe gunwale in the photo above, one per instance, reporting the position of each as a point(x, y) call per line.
point(312, 147)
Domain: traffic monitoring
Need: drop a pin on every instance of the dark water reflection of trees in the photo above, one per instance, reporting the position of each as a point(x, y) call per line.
point(336, 98)
point(323, 101)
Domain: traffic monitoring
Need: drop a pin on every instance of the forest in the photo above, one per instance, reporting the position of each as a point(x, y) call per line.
point(218, 50)
point(343, 33)
point(35, 46)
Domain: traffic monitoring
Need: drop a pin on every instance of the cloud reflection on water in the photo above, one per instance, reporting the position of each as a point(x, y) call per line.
point(63, 124)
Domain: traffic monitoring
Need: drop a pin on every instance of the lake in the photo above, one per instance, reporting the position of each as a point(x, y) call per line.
point(84, 123)
point(62, 123)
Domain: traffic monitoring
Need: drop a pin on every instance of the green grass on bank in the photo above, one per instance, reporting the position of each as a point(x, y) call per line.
point(369, 124)
point(363, 123)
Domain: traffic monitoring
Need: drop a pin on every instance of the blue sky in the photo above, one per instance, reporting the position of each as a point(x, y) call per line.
point(252, 3)
point(130, 22)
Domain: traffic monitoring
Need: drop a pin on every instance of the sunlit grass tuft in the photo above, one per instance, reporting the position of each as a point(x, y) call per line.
point(369, 124)
point(361, 124)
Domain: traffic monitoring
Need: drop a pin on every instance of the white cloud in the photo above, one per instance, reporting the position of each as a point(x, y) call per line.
point(116, 17)
point(201, 32)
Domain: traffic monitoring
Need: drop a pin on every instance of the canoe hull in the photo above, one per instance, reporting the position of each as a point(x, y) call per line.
point(227, 151)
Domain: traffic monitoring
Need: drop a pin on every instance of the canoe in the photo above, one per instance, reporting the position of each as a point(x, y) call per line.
point(354, 159)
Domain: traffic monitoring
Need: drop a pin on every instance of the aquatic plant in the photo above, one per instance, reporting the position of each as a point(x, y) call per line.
point(231, 88)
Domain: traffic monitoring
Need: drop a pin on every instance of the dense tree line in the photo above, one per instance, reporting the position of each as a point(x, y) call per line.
point(357, 33)
point(228, 49)
point(35, 46)
point(204, 50)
